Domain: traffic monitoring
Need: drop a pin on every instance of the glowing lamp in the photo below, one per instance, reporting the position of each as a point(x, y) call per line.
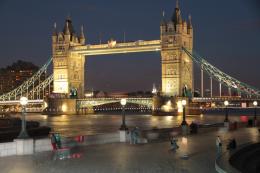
point(123, 102)
point(226, 103)
point(23, 101)
point(183, 102)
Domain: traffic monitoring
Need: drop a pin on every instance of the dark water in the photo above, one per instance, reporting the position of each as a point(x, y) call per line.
point(73, 125)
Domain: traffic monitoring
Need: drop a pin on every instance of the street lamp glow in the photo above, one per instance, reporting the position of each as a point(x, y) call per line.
point(226, 114)
point(23, 134)
point(183, 102)
point(23, 101)
point(123, 102)
point(123, 126)
point(255, 105)
point(184, 123)
point(226, 103)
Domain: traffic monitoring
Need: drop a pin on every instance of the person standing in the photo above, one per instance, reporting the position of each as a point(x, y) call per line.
point(218, 145)
point(174, 145)
point(135, 135)
point(131, 136)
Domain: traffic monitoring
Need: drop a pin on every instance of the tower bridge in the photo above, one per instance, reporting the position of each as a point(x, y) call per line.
point(69, 51)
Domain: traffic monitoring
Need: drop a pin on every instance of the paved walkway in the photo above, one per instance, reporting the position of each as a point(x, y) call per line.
point(126, 158)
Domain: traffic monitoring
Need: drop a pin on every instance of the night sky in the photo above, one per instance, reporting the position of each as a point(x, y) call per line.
point(226, 32)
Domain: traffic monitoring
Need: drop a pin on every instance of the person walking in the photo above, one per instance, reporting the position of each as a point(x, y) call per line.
point(135, 135)
point(218, 145)
point(131, 136)
point(174, 145)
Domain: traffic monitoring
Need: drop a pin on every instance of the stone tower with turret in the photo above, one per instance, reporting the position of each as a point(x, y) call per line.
point(177, 67)
point(68, 68)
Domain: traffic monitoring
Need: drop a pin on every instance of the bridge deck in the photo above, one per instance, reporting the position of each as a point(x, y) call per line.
point(118, 48)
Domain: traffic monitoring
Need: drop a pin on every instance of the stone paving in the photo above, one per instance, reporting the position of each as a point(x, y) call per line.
point(142, 158)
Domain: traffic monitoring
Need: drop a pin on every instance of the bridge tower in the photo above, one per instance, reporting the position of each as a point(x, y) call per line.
point(177, 67)
point(68, 67)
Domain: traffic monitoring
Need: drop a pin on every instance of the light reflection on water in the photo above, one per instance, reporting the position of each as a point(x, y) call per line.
point(73, 125)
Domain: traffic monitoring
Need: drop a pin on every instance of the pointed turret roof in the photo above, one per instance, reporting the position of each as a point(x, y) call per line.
point(55, 30)
point(81, 32)
point(190, 23)
point(163, 21)
point(176, 17)
point(68, 28)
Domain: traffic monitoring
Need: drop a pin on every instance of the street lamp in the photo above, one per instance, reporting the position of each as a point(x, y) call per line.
point(184, 123)
point(255, 105)
point(123, 103)
point(226, 108)
point(23, 134)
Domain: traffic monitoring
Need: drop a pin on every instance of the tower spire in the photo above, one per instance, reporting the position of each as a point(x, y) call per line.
point(163, 21)
point(177, 4)
point(189, 23)
point(154, 91)
point(176, 18)
point(55, 29)
point(82, 36)
point(68, 17)
point(67, 30)
point(82, 32)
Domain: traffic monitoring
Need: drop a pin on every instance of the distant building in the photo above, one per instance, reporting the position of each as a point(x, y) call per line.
point(14, 75)
point(118, 94)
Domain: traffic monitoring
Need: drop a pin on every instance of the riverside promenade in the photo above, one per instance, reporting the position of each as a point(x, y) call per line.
point(152, 157)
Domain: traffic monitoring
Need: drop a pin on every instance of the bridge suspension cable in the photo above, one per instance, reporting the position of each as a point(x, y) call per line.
point(222, 77)
point(41, 86)
point(24, 88)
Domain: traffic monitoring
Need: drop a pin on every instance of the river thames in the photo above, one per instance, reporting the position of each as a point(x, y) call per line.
point(74, 125)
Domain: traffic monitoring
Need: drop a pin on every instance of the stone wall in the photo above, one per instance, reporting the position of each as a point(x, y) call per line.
point(42, 145)
point(7, 149)
point(25, 147)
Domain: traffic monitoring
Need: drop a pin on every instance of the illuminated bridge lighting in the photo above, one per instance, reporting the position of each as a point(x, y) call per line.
point(131, 47)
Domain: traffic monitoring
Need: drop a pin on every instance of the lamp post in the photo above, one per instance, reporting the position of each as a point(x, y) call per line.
point(255, 105)
point(226, 109)
point(23, 134)
point(184, 123)
point(123, 103)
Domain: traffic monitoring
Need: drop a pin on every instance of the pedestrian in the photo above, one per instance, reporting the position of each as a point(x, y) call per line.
point(131, 136)
point(53, 142)
point(174, 145)
point(218, 145)
point(135, 135)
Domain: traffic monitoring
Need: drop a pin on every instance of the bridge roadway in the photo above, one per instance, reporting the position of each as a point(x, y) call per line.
point(17, 102)
point(118, 48)
point(101, 101)
point(141, 101)
point(222, 99)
